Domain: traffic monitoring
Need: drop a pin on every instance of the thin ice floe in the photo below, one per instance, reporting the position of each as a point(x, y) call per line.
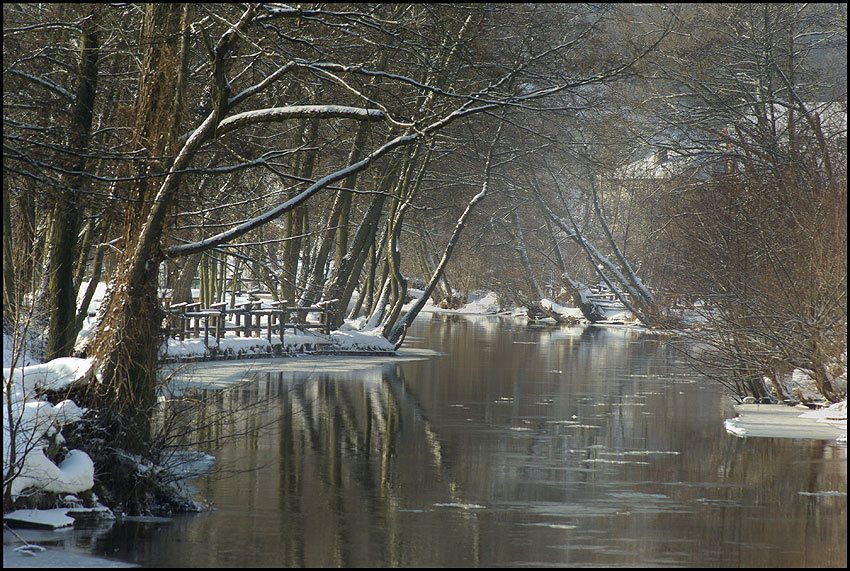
point(781, 421)
point(553, 525)
point(461, 506)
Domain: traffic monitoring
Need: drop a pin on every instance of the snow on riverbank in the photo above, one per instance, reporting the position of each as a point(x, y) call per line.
point(479, 304)
point(487, 303)
point(781, 421)
point(35, 425)
point(293, 343)
point(33, 428)
point(32, 434)
point(347, 338)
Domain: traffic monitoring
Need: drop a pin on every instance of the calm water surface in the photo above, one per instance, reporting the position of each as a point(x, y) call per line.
point(516, 446)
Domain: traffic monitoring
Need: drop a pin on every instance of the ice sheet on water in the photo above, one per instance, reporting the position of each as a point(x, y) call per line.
point(460, 505)
point(552, 525)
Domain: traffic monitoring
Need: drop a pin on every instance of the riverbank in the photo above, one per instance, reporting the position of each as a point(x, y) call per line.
point(753, 420)
point(782, 421)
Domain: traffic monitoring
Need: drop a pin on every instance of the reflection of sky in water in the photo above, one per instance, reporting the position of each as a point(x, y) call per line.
point(518, 446)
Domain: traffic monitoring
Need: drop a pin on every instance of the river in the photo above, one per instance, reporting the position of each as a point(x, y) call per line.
point(510, 446)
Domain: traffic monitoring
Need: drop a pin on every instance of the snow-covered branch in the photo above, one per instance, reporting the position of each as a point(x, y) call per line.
point(322, 183)
point(275, 114)
point(51, 85)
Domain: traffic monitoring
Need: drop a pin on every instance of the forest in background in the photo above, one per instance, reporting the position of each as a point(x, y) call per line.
point(344, 154)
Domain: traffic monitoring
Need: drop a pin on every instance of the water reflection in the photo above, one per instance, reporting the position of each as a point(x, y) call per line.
point(520, 446)
point(332, 471)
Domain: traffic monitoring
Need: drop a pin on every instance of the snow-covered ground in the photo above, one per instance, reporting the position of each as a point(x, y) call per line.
point(347, 338)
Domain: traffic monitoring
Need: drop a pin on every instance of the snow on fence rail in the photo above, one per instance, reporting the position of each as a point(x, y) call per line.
point(247, 319)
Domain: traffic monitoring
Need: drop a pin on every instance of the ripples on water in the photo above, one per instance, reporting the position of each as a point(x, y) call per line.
point(519, 446)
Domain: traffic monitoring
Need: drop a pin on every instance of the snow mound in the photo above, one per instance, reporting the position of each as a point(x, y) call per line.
point(488, 303)
point(35, 425)
point(562, 310)
point(54, 375)
point(31, 426)
point(351, 340)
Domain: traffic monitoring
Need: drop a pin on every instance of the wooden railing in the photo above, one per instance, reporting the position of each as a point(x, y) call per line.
point(187, 320)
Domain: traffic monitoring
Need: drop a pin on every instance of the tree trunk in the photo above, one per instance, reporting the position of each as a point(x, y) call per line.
point(644, 296)
point(398, 331)
point(296, 222)
point(523, 256)
point(596, 260)
point(347, 272)
point(182, 291)
point(94, 280)
point(61, 293)
point(395, 332)
point(10, 288)
point(129, 333)
point(337, 220)
point(396, 288)
point(345, 208)
point(581, 298)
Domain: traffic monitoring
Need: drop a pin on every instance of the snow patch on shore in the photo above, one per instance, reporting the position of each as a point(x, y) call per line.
point(35, 425)
point(781, 421)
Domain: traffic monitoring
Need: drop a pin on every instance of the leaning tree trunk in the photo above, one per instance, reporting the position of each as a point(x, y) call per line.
point(522, 250)
point(582, 300)
point(347, 272)
point(407, 189)
point(596, 260)
point(128, 338)
point(398, 331)
point(645, 297)
point(578, 291)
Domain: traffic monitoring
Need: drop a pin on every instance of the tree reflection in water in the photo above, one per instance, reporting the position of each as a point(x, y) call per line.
point(519, 446)
point(325, 451)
